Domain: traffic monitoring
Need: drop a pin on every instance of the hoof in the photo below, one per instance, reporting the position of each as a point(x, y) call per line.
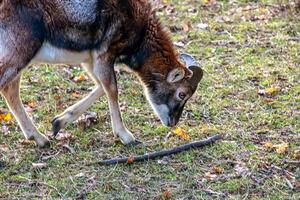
point(45, 144)
point(134, 143)
point(41, 140)
point(56, 126)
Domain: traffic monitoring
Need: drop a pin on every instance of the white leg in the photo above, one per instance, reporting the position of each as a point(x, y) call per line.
point(74, 112)
point(107, 77)
point(12, 97)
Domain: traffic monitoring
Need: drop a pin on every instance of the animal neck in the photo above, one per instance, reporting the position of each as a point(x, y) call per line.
point(155, 55)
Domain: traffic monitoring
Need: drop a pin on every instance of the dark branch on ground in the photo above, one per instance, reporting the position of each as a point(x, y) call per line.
point(162, 153)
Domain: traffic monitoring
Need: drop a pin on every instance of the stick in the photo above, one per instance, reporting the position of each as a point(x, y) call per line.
point(158, 154)
point(293, 162)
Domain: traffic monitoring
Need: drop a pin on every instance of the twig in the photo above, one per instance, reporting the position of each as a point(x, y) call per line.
point(289, 184)
point(214, 193)
point(293, 162)
point(161, 153)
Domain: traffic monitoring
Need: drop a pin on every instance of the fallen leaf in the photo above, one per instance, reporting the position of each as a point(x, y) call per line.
point(268, 145)
point(108, 187)
point(5, 130)
point(202, 26)
point(273, 90)
point(269, 91)
point(50, 156)
point(164, 161)
point(81, 174)
point(218, 170)
point(39, 165)
point(281, 148)
point(28, 108)
point(67, 146)
point(181, 133)
point(261, 92)
point(209, 2)
point(76, 94)
point(87, 119)
point(80, 78)
point(242, 170)
point(32, 104)
point(3, 148)
point(167, 194)
point(56, 97)
point(26, 142)
point(297, 154)
point(130, 159)
point(166, 1)
point(187, 26)
point(209, 176)
point(63, 136)
point(179, 44)
point(6, 117)
point(33, 79)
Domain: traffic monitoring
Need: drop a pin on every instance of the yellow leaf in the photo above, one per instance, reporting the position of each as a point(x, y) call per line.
point(263, 10)
point(268, 145)
point(272, 91)
point(6, 117)
point(297, 154)
point(181, 133)
point(218, 170)
point(209, 1)
point(281, 148)
point(269, 91)
point(166, 1)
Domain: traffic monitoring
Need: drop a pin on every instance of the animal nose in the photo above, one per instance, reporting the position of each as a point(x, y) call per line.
point(172, 121)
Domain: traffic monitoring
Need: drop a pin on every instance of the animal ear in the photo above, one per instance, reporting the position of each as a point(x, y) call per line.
point(193, 66)
point(175, 75)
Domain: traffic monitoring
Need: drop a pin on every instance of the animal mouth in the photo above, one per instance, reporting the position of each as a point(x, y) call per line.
point(172, 121)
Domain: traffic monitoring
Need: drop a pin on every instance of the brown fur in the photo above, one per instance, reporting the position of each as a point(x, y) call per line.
point(112, 31)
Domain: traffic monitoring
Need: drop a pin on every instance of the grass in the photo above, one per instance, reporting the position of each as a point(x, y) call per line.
point(246, 47)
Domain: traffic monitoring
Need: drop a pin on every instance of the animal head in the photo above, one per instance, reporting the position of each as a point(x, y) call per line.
point(168, 92)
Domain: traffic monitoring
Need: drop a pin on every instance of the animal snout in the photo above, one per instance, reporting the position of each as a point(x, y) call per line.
point(172, 121)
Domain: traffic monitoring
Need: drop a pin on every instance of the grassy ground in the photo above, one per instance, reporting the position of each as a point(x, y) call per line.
point(250, 94)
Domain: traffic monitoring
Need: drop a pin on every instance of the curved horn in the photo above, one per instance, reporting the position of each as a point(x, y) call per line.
point(188, 59)
point(192, 64)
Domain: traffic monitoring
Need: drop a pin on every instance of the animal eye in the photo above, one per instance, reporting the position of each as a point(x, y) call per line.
point(182, 95)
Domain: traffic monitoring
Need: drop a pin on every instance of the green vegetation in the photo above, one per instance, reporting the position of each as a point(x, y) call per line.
point(250, 94)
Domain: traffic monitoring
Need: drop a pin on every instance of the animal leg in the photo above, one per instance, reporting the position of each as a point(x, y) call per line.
point(107, 76)
point(75, 111)
point(12, 97)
